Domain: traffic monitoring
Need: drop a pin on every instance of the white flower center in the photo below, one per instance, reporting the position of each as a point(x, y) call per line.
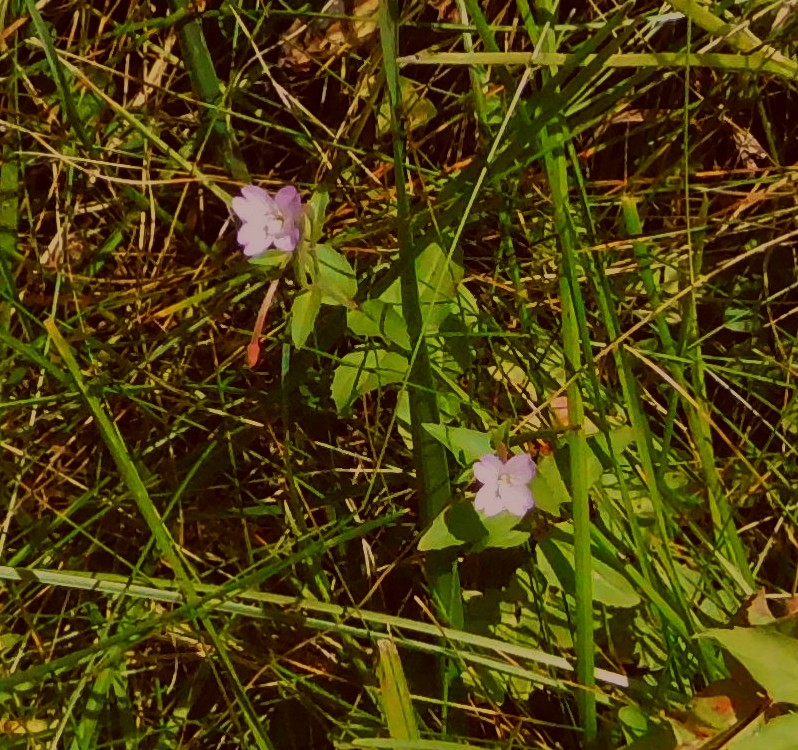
point(505, 478)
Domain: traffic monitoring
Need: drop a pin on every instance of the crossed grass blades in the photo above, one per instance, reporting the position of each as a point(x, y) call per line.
point(202, 554)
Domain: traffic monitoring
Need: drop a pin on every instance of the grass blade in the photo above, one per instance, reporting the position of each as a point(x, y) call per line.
point(205, 83)
point(429, 455)
point(396, 702)
point(57, 72)
point(127, 469)
point(552, 141)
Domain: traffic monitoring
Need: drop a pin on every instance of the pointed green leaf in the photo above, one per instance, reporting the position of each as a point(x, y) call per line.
point(335, 278)
point(459, 524)
point(555, 556)
point(770, 656)
point(502, 533)
point(363, 371)
point(438, 286)
point(378, 318)
point(466, 445)
point(547, 487)
point(304, 312)
point(397, 704)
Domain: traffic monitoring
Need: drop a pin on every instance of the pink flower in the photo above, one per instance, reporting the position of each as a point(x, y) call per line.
point(505, 486)
point(268, 220)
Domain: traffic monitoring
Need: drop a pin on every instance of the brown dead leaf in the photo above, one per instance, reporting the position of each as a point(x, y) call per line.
point(324, 38)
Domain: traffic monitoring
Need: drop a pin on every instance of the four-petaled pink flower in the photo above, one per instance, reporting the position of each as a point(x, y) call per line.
point(505, 486)
point(268, 220)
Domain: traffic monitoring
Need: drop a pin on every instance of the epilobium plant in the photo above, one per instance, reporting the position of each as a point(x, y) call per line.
point(268, 221)
point(505, 486)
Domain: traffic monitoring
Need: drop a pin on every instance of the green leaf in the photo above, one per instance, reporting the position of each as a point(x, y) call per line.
point(89, 105)
point(633, 721)
point(778, 734)
point(438, 287)
point(304, 255)
point(620, 438)
point(363, 371)
point(456, 340)
point(770, 656)
point(314, 214)
point(304, 312)
point(457, 525)
point(396, 701)
point(555, 556)
point(335, 276)
point(547, 487)
point(377, 318)
point(271, 259)
point(418, 109)
point(467, 446)
point(438, 282)
point(502, 533)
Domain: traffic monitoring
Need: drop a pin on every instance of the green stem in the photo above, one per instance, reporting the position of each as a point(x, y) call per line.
point(552, 141)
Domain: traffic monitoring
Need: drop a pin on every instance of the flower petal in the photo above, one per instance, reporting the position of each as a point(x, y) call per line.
point(252, 233)
point(516, 500)
point(253, 204)
point(285, 242)
point(257, 194)
point(253, 240)
point(487, 499)
point(521, 468)
point(243, 209)
point(287, 198)
point(268, 220)
point(488, 469)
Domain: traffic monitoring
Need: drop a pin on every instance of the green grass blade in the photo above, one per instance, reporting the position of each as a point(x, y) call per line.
point(552, 141)
point(57, 72)
point(88, 724)
point(9, 229)
point(234, 600)
point(738, 36)
point(429, 455)
point(695, 406)
point(205, 83)
point(755, 62)
point(127, 469)
point(397, 704)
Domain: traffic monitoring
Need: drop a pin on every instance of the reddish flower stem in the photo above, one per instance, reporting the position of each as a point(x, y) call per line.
point(253, 350)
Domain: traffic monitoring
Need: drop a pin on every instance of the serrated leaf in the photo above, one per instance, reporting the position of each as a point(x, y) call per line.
point(304, 312)
point(363, 371)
